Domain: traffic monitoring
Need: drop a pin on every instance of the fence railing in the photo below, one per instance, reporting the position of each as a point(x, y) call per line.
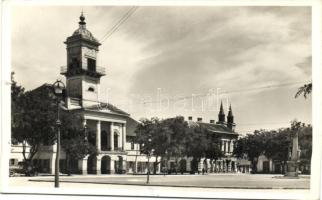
point(99, 70)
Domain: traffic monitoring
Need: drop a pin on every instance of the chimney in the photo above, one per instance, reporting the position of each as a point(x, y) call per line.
point(212, 121)
point(199, 119)
point(190, 118)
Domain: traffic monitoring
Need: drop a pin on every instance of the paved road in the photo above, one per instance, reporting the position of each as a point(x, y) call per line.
point(103, 185)
point(203, 181)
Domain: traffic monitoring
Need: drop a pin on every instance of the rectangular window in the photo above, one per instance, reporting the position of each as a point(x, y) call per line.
point(91, 65)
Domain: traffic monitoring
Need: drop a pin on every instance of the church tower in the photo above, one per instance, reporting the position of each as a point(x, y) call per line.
point(230, 119)
point(82, 74)
point(221, 115)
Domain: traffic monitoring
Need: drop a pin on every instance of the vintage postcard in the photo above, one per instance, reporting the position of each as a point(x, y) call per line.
point(180, 99)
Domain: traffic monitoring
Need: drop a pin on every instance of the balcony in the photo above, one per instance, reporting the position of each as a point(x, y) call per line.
point(97, 72)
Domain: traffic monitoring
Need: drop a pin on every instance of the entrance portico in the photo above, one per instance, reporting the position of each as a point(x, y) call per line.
point(108, 134)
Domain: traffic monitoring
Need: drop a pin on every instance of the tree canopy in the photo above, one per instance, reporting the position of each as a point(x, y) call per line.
point(34, 116)
point(174, 138)
point(275, 144)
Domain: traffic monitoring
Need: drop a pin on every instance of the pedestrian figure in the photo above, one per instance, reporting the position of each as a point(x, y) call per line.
point(203, 171)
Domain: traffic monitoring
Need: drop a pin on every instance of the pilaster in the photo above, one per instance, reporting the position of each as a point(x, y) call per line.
point(98, 136)
point(112, 137)
point(82, 166)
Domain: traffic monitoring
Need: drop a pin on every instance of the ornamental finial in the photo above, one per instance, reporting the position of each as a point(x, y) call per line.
point(82, 19)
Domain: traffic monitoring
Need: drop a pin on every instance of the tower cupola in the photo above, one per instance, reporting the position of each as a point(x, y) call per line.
point(82, 73)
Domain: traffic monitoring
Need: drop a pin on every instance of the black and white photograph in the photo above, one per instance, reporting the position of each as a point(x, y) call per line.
point(171, 100)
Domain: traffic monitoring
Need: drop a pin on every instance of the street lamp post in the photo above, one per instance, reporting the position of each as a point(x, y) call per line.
point(149, 155)
point(58, 88)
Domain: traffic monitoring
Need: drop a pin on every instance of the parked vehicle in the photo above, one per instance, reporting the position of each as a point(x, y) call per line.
point(23, 168)
point(16, 169)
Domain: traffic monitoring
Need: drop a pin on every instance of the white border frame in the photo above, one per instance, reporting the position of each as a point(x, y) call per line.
point(5, 102)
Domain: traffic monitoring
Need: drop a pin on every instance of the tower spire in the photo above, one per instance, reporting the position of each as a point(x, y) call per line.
point(230, 112)
point(221, 115)
point(230, 119)
point(221, 109)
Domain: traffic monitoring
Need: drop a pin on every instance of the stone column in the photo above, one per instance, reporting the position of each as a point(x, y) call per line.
point(235, 163)
point(112, 137)
point(200, 165)
point(98, 136)
point(135, 167)
point(222, 145)
point(124, 165)
point(98, 165)
point(53, 159)
point(232, 146)
point(123, 136)
point(119, 145)
point(82, 166)
point(112, 169)
point(227, 144)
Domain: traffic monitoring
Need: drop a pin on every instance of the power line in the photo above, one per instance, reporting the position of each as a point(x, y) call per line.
point(205, 95)
point(119, 23)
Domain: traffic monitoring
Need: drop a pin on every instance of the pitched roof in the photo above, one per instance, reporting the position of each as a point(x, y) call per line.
point(215, 128)
point(108, 106)
point(131, 125)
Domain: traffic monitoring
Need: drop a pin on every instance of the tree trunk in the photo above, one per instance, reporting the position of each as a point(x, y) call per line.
point(155, 164)
point(254, 166)
point(24, 151)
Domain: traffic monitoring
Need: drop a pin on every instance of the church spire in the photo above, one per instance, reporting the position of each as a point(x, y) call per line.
point(230, 116)
point(221, 115)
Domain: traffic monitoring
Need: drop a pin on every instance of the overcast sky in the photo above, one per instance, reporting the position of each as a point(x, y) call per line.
point(254, 57)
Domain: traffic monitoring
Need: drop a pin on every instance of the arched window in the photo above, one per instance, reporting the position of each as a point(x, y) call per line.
point(91, 89)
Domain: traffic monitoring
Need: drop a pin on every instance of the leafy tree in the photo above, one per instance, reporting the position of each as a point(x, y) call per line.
point(73, 140)
point(176, 129)
point(275, 144)
point(36, 124)
point(34, 117)
point(196, 145)
point(251, 145)
point(305, 142)
point(305, 90)
point(147, 135)
point(17, 107)
point(213, 151)
point(166, 138)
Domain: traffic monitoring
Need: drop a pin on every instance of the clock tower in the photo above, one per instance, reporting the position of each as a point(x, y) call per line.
point(82, 74)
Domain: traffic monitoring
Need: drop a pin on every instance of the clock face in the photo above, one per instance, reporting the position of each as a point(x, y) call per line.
point(90, 53)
